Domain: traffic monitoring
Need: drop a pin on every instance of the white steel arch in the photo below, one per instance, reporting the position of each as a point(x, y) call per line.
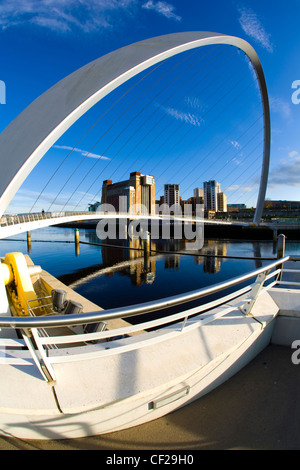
point(24, 142)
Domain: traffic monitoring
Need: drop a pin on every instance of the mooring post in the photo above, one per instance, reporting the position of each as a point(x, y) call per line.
point(77, 249)
point(146, 247)
point(281, 246)
point(146, 243)
point(29, 242)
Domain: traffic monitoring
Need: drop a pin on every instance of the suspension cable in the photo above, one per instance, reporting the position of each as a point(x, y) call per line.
point(157, 123)
point(98, 175)
point(119, 117)
point(211, 123)
point(87, 132)
point(214, 148)
point(123, 130)
point(176, 128)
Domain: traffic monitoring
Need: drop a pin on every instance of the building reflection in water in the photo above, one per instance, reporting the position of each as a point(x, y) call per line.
point(214, 252)
point(143, 270)
point(140, 272)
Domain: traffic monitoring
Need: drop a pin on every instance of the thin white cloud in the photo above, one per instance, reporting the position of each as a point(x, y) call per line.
point(193, 102)
point(240, 187)
point(189, 118)
point(280, 106)
point(163, 8)
point(63, 15)
point(84, 153)
point(24, 198)
point(293, 153)
point(252, 26)
point(235, 144)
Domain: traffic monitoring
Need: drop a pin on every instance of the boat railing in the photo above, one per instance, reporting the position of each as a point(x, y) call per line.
point(147, 307)
point(44, 305)
point(47, 347)
point(296, 272)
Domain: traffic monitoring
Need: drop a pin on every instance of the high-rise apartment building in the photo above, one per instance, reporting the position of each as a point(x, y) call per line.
point(138, 191)
point(171, 194)
point(199, 195)
point(198, 192)
point(211, 191)
point(222, 202)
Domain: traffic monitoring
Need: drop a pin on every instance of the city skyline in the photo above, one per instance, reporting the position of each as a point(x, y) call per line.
point(126, 191)
point(139, 190)
point(45, 41)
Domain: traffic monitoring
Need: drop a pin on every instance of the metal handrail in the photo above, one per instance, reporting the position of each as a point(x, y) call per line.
point(7, 220)
point(137, 309)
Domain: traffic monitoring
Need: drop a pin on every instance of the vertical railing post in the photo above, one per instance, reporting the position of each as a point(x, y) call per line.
point(280, 252)
point(254, 293)
point(42, 362)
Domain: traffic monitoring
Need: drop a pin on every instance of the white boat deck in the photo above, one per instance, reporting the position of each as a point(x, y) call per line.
point(257, 409)
point(114, 385)
point(190, 360)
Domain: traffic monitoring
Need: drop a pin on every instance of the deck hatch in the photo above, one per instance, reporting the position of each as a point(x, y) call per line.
point(159, 402)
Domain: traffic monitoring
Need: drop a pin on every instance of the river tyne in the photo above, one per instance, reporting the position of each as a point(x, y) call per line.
point(120, 275)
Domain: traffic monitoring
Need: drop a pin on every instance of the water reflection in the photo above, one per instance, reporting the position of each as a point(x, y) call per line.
point(170, 269)
point(112, 273)
point(144, 269)
point(127, 258)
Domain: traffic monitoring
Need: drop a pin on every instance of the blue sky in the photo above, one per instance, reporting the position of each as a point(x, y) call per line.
point(42, 41)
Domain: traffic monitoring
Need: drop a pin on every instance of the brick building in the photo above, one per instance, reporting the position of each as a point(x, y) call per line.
point(138, 191)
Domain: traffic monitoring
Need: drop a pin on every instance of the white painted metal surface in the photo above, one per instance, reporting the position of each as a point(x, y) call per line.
point(24, 142)
point(99, 393)
point(13, 225)
point(129, 380)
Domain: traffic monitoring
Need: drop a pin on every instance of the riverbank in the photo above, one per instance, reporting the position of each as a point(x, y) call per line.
point(238, 232)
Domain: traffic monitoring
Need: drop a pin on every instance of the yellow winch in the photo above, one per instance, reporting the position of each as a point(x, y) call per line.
point(16, 274)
